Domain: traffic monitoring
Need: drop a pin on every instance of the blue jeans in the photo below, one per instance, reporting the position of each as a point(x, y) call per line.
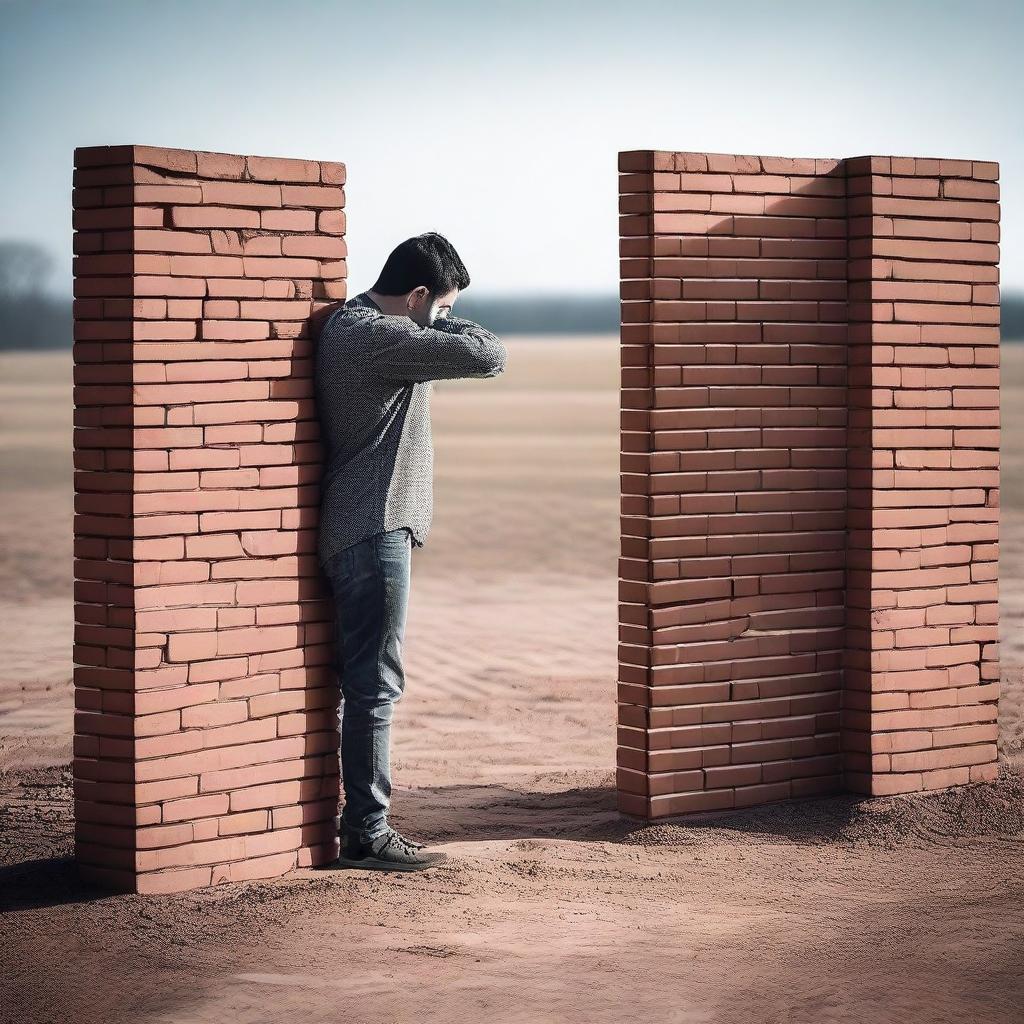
point(370, 582)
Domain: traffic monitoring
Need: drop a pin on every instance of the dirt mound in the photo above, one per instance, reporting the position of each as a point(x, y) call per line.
point(983, 810)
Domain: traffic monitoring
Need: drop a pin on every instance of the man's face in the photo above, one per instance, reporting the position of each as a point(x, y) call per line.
point(425, 308)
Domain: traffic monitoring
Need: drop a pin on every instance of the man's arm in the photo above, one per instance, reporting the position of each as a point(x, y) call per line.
point(400, 349)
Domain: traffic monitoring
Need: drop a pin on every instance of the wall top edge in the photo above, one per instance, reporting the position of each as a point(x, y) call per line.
point(687, 161)
point(782, 156)
point(708, 152)
point(190, 161)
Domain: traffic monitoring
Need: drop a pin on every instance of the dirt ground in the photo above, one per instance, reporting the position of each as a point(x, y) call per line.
point(553, 907)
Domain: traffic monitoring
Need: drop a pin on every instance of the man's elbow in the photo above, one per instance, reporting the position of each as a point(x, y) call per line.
point(496, 364)
point(486, 358)
point(483, 363)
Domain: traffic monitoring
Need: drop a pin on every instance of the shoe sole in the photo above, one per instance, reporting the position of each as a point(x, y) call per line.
point(375, 864)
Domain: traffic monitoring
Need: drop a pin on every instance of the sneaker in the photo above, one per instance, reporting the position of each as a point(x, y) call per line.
point(347, 834)
point(390, 851)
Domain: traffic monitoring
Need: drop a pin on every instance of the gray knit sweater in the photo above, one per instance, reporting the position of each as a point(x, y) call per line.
point(372, 379)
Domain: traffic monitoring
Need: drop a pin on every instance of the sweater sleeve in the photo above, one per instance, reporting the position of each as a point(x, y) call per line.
point(400, 349)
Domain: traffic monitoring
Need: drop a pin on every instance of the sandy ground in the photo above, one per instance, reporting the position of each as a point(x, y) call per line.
point(553, 906)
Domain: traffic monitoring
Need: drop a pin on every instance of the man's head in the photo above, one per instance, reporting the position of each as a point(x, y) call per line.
point(421, 279)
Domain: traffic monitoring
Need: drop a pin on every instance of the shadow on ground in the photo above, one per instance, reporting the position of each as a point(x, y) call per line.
point(37, 867)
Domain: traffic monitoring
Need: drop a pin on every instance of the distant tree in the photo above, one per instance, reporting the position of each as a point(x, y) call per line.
point(24, 268)
point(543, 314)
point(29, 316)
point(1012, 318)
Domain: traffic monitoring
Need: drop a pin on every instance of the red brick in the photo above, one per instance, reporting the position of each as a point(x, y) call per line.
point(289, 220)
point(263, 168)
point(220, 165)
point(214, 217)
point(230, 193)
point(313, 196)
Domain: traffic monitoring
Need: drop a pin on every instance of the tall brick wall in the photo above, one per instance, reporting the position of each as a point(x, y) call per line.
point(922, 661)
point(205, 745)
point(809, 454)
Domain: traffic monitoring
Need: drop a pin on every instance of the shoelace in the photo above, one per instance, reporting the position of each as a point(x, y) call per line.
point(397, 838)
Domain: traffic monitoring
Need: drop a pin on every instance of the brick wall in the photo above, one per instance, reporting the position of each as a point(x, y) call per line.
point(205, 745)
point(809, 454)
point(922, 661)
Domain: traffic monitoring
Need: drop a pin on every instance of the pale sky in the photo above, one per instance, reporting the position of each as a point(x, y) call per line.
point(498, 123)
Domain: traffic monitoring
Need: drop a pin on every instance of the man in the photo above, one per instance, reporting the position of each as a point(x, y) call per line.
point(375, 360)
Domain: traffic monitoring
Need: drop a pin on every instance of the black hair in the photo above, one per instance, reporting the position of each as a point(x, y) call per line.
point(428, 259)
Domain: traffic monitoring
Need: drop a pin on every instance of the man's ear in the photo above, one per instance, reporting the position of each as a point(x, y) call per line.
point(416, 297)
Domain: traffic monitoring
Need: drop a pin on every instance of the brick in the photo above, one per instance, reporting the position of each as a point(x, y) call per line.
point(331, 222)
point(255, 266)
point(164, 194)
point(318, 246)
point(313, 196)
point(170, 241)
point(224, 193)
point(263, 168)
point(214, 217)
point(169, 159)
point(206, 266)
point(234, 330)
point(332, 172)
point(271, 310)
point(289, 220)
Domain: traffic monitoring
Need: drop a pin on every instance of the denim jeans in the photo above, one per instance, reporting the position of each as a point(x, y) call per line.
point(370, 583)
